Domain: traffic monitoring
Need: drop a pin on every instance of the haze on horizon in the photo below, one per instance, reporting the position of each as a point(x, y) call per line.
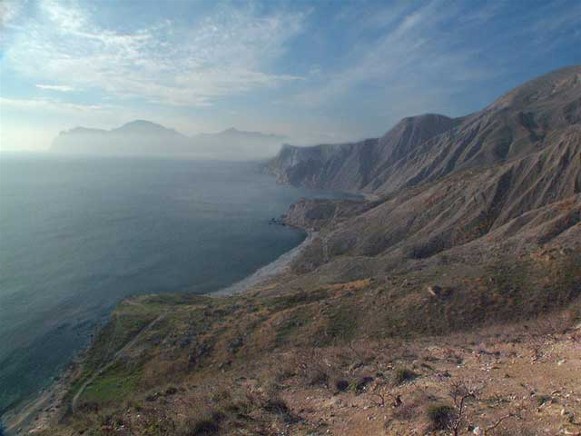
point(312, 71)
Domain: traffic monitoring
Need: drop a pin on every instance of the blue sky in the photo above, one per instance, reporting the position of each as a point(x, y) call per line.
point(315, 71)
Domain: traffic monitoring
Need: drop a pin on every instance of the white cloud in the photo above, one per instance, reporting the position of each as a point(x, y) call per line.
point(46, 104)
point(58, 88)
point(405, 61)
point(9, 10)
point(229, 53)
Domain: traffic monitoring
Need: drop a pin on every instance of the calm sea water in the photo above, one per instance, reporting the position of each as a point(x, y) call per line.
point(79, 234)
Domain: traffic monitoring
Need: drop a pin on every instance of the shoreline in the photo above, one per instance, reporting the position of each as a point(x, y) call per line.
point(269, 271)
point(34, 414)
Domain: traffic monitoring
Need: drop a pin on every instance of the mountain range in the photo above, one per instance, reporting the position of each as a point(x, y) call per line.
point(480, 189)
point(141, 137)
point(532, 118)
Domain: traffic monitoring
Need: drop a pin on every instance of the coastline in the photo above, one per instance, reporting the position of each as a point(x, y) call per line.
point(36, 413)
point(268, 271)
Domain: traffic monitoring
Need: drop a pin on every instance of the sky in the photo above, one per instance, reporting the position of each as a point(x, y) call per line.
point(320, 71)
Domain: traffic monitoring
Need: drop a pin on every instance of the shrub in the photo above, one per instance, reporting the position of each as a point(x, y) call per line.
point(318, 377)
point(172, 390)
point(341, 385)
point(208, 425)
point(441, 416)
point(403, 375)
point(278, 407)
point(542, 399)
point(361, 384)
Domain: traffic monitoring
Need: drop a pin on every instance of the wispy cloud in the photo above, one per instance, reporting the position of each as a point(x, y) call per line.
point(434, 55)
point(313, 70)
point(9, 9)
point(58, 88)
point(409, 59)
point(227, 54)
point(47, 104)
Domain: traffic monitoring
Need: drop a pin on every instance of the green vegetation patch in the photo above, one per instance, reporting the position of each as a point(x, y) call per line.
point(121, 329)
point(296, 299)
point(117, 383)
point(342, 324)
point(291, 325)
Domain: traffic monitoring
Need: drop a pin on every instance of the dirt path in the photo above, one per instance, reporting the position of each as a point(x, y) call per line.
point(118, 354)
point(24, 417)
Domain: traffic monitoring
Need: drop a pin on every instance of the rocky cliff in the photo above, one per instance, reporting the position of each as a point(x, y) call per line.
point(531, 118)
point(492, 188)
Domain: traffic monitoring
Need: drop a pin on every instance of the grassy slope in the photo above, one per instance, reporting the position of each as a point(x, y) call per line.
point(251, 363)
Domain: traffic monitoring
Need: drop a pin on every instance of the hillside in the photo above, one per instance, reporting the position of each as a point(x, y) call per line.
point(297, 364)
point(146, 138)
point(448, 304)
point(424, 148)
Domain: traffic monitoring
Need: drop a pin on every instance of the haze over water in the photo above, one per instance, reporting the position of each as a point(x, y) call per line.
point(78, 234)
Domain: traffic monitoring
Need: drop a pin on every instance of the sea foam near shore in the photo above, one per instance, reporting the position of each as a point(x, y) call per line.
point(279, 266)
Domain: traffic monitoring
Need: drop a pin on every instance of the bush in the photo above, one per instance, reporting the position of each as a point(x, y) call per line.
point(206, 426)
point(403, 375)
point(278, 407)
point(441, 416)
point(361, 384)
point(542, 399)
point(341, 385)
point(317, 377)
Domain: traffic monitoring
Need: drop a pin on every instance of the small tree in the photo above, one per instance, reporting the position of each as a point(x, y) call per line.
point(460, 394)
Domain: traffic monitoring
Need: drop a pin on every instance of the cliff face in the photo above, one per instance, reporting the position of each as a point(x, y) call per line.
point(354, 167)
point(501, 182)
point(425, 148)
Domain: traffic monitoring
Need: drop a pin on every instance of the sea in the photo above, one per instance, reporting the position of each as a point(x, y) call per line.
point(78, 234)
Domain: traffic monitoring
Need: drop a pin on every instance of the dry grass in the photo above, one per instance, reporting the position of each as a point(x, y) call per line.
point(263, 363)
point(349, 388)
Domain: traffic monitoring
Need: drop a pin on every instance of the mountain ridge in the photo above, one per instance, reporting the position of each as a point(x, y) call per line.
point(511, 126)
point(146, 137)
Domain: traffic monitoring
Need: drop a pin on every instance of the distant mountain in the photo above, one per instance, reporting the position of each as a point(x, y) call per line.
point(141, 137)
point(136, 137)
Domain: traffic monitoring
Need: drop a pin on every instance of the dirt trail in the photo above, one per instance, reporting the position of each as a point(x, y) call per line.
point(24, 416)
point(105, 367)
